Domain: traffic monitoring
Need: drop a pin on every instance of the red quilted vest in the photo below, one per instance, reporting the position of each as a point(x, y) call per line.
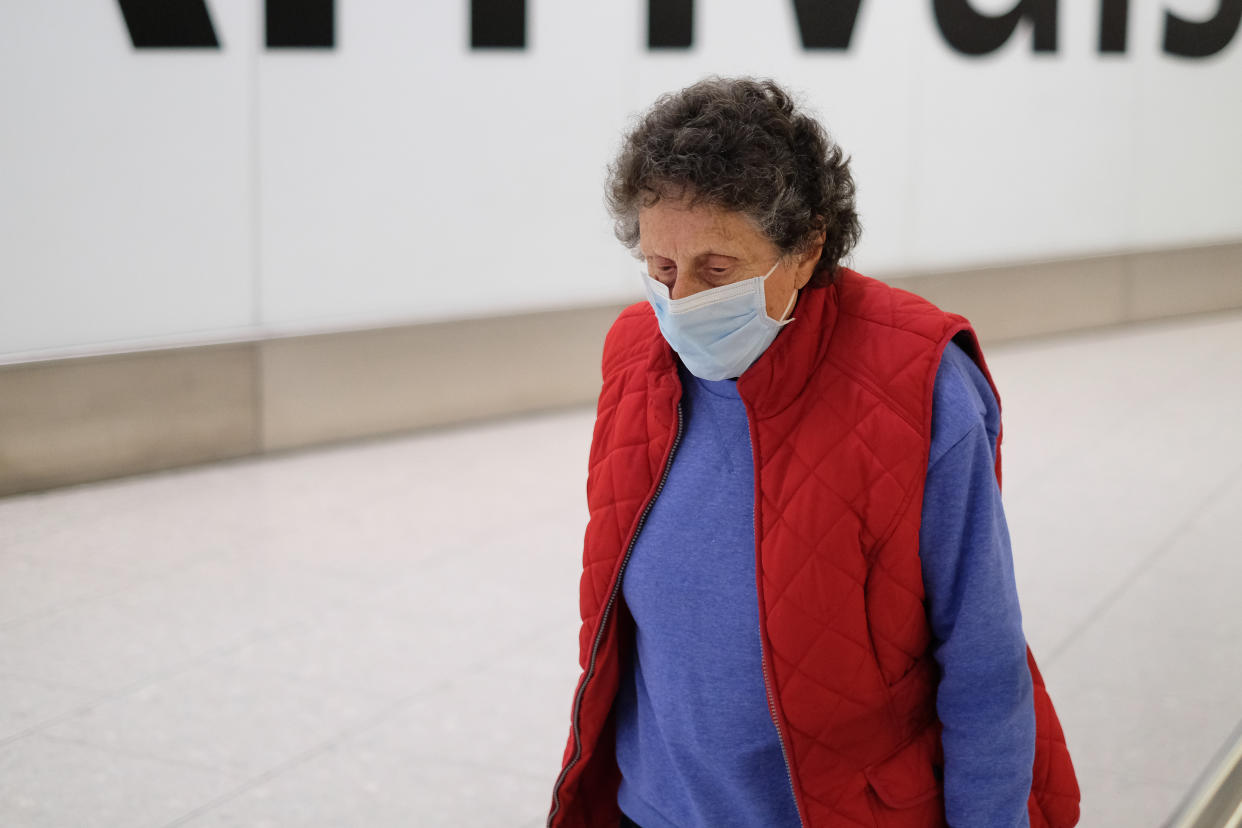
point(840, 422)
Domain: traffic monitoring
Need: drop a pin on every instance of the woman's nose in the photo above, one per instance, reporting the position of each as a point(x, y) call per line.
point(683, 285)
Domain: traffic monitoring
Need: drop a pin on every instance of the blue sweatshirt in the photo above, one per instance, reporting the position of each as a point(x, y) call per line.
point(695, 742)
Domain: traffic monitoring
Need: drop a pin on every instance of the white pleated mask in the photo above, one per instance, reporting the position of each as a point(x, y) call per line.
point(718, 333)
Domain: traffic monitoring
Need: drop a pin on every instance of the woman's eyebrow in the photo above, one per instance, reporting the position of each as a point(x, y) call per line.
point(698, 258)
point(704, 258)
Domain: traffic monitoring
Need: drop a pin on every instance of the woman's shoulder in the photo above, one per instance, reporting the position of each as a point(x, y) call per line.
point(630, 337)
point(875, 308)
point(962, 401)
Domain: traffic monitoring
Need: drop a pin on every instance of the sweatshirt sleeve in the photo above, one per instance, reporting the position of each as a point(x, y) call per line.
point(984, 698)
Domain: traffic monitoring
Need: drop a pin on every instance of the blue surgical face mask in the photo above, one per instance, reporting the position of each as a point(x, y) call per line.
point(718, 333)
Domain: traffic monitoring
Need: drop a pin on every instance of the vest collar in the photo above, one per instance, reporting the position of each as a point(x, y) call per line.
point(783, 370)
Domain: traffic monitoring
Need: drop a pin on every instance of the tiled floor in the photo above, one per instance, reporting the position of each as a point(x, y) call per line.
point(385, 634)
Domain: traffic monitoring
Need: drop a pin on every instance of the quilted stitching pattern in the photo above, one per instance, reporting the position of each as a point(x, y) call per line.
point(847, 479)
point(841, 435)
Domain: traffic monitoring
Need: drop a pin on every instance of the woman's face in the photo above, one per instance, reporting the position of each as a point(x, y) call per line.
point(691, 249)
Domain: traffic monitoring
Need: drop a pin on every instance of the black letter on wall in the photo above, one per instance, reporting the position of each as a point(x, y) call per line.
point(972, 33)
point(1114, 25)
point(300, 24)
point(497, 24)
point(670, 24)
point(826, 24)
point(160, 24)
point(1181, 37)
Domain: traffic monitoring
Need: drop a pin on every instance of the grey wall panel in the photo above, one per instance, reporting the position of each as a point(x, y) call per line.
point(72, 421)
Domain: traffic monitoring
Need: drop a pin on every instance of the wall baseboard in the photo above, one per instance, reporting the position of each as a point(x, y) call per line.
point(90, 418)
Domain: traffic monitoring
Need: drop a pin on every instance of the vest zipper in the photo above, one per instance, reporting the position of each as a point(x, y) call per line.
point(603, 623)
point(780, 737)
point(763, 656)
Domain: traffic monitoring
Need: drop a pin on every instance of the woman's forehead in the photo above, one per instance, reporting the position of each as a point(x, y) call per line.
point(669, 228)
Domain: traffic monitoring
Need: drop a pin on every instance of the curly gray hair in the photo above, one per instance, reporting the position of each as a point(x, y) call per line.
point(740, 144)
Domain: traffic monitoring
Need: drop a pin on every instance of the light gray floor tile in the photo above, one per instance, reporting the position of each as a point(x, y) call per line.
point(357, 785)
point(165, 623)
point(28, 517)
point(512, 715)
point(1112, 800)
point(1061, 397)
point(100, 646)
point(135, 545)
point(27, 705)
point(1115, 730)
point(143, 525)
point(1127, 650)
point(1148, 689)
point(221, 716)
point(1121, 651)
point(50, 784)
point(31, 587)
point(1175, 629)
point(1218, 527)
point(367, 649)
point(382, 510)
point(1135, 486)
point(455, 614)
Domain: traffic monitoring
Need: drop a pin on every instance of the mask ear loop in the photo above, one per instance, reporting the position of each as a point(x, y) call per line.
point(788, 308)
point(792, 297)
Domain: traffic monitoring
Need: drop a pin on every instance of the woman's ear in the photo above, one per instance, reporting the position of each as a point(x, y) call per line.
point(808, 259)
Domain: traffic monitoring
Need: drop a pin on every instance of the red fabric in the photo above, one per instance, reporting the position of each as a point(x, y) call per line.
point(840, 422)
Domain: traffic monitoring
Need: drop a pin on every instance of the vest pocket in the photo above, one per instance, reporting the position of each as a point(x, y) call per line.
point(910, 776)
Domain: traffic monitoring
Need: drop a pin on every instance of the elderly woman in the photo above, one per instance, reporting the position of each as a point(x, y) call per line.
point(797, 595)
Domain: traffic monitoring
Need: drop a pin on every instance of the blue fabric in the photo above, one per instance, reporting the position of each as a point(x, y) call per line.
point(989, 737)
point(695, 741)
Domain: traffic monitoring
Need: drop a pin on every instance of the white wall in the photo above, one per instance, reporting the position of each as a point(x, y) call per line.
point(150, 197)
